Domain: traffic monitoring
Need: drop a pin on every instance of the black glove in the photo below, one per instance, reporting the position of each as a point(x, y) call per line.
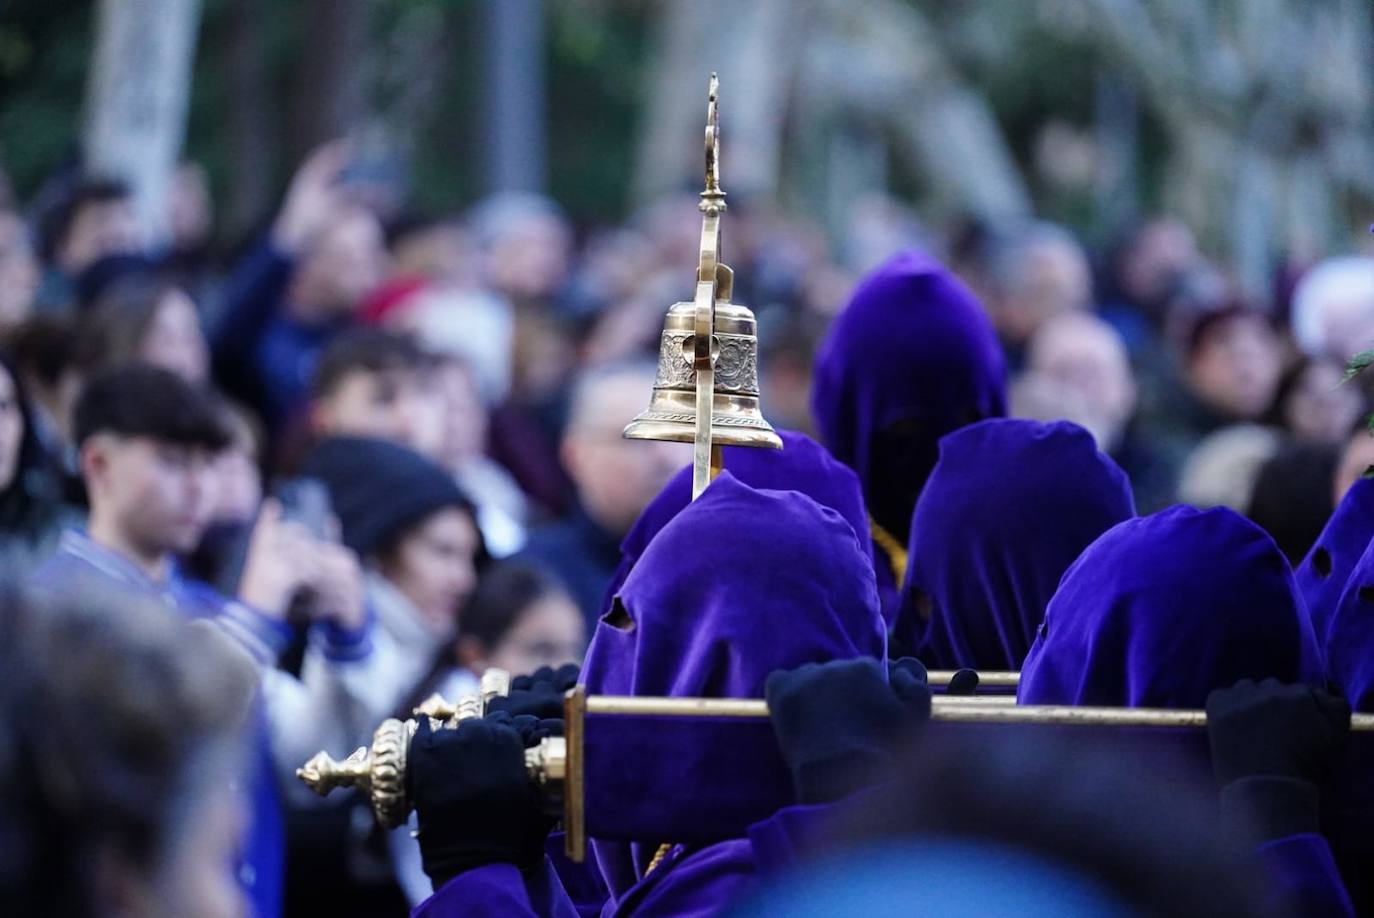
point(835, 721)
point(1272, 745)
point(963, 682)
point(531, 729)
point(539, 694)
point(475, 804)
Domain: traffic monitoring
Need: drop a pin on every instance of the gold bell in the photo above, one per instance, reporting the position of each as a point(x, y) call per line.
point(731, 378)
point(735, 418)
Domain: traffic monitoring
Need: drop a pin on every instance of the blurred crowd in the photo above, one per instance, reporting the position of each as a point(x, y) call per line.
point(383, 445)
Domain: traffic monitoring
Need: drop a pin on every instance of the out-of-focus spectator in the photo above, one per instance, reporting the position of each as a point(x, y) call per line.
point(1291, 498)
point(19, 271)
point(614, 477)
point(124, 737)
point(1333, 308)
point(1313, 405)
point(1233, 364)
point(147, 440)
point(519, 620)
point(1231, 367)
point(525, 246)
point(1222, 470)
point(438, 249)
point(95, 218)
point(297, 289)
point(417, 535)
point(33, 512)
point(139, 314)
point(502, 510)
point(1356, 460)
point(375, 383)
point(44, 356)
point(468, 323)
point(1035, 273)
point(1077, 370)
point(1143, 270)
point(1084, 359)
point(191, 227)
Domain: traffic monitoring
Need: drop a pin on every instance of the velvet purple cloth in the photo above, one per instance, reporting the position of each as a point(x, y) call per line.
point(740, 583)
point(911, 358)
point(1350, 636)
point(1164, 608)
point(1322, 575)
point(801, 465)
point(1010, 505)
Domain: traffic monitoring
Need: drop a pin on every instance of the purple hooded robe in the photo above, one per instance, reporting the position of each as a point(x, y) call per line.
point(911, 358)
point(740, 583)
point(1322, 575)
point(1009, 507)
point(1164, 608)
point(801, 465)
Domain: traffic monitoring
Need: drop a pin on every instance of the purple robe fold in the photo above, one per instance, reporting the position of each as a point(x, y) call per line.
point(1010, 505)
point(1322, 575)
point(1164, 608)
point(801, 465)
point(911, 358)
point(1350, 636)
point(740, 583)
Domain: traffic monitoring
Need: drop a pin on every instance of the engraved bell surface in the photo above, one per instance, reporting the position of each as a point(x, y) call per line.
point(735, 418)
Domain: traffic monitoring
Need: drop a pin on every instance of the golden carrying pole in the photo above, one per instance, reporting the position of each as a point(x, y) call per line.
point(706, 459)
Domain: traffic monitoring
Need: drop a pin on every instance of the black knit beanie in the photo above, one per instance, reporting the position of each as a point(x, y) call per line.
point(379, 489)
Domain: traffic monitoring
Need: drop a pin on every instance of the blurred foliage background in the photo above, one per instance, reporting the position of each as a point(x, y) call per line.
point(1251, 119)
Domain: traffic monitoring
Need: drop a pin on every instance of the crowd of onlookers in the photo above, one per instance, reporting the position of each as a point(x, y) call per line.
point(383, 449)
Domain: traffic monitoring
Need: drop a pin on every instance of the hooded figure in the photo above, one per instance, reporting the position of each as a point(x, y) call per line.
point(1323, 574)
point(742, 582)
point(801, 465)
point(1010, 505)
point(910, 359)
point(1349, 641)
point(1165, 608)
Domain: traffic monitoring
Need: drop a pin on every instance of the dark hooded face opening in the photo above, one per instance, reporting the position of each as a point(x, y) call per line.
point(618, 617)
point(901, 459)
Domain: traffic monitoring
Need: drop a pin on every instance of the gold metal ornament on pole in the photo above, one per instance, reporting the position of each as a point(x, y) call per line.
point(707, 389)
point(380, 769)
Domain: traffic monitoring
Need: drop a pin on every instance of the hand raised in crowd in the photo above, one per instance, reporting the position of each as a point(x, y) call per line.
point(313, 198)
point(540, 693)
point(1272, 745)
point(337, 582)
point(274, 570)
point(475, 803)
point(835, 721)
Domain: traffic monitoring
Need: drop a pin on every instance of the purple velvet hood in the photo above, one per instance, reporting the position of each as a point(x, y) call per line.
point(1010, 505)
point(801, 465)
point(1350, 633)
point(740, 583)
point(1164, 608)
point(1322, 575)
point(909, 359)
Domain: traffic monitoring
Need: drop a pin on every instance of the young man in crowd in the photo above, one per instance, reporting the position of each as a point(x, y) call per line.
point(371, 383)
point(147, 441)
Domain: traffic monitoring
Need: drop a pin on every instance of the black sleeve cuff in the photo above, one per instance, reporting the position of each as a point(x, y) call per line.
point(1274, 806)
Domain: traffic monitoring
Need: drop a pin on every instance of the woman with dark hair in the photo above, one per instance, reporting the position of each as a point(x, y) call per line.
point(519, 619)
point(33, 512)
point(140, 314)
